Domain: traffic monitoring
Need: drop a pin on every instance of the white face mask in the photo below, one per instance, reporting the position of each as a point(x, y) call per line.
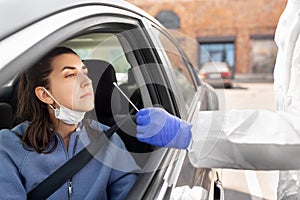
point(65, 114)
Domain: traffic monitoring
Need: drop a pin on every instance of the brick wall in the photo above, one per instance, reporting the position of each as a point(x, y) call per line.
point(220, 18)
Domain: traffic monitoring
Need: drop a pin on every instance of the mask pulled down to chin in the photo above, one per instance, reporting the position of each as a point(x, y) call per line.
point(65, 114)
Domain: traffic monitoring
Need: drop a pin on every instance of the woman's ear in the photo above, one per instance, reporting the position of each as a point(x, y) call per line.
point(43, 96)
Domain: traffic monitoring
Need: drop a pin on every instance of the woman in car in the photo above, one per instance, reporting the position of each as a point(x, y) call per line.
point(54, 96)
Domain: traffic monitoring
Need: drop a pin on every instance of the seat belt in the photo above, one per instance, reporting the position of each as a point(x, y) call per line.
point(67, 170)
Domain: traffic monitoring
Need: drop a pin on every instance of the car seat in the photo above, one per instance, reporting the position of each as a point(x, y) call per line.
point(132, 91)
point(101, 72)
point(8, 105)
point(6, 116)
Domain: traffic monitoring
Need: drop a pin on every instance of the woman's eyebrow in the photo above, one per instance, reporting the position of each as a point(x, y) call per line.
point(68, 67)
point(72, 68)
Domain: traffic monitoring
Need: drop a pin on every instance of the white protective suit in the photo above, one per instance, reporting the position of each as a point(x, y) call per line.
point(260, 139)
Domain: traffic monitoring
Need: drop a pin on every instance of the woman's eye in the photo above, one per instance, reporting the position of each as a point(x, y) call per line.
point(70, 75)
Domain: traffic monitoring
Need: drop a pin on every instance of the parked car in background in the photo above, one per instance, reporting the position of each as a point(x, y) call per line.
point(217, 74)
point(146, 61)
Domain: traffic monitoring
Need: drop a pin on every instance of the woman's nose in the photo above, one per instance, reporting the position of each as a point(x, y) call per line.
point(84, 79)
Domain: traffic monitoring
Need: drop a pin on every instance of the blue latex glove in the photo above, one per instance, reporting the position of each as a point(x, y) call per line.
point(157, 127)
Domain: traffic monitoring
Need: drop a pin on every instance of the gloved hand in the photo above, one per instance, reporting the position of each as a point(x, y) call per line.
point(157, 127)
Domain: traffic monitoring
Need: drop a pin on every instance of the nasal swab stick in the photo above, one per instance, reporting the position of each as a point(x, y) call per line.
point(115, 84)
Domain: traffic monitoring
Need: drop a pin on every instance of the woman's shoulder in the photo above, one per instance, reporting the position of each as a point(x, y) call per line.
point(11, 144)
point(13, 134)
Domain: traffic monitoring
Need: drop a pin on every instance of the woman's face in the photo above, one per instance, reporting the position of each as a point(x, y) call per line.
point(69, 83)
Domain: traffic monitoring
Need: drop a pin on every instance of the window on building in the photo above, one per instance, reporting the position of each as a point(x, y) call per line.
point(263, 54)
point(169, 19)
point(217, 52)
point(217, 49)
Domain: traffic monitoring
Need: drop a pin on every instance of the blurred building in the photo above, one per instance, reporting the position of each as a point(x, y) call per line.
point(239, 32)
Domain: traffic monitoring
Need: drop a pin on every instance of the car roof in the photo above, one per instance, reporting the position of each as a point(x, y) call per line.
point(16, 15)
point(214, 67)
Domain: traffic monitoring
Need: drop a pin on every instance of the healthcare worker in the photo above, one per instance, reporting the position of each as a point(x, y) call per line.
point(244, 139)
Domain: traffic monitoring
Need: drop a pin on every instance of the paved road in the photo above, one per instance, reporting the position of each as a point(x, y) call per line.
point(239, 184)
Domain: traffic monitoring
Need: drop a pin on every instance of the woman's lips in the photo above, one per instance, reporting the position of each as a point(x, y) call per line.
point(85, 95)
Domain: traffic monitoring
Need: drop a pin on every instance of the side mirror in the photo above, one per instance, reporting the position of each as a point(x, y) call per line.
point(218, 189)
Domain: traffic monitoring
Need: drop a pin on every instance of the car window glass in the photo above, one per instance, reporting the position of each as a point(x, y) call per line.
point(179, 67)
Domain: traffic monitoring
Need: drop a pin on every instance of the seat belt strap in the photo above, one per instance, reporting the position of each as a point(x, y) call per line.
point(54, 181)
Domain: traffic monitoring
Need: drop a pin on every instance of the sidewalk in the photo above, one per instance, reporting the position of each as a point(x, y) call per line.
point(253, 78)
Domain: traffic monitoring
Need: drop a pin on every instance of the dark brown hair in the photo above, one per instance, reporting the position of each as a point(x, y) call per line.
point(41, 129)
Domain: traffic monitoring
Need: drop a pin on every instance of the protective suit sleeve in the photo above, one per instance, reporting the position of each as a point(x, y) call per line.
point(157, 127)
point(245, 139)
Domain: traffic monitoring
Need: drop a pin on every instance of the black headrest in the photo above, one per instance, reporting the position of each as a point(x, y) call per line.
point(97, 68)
point(131, 79)
point(103, 75)
point(6, 116)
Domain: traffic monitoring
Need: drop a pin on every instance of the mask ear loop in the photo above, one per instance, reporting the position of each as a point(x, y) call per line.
point(52, 107)
point(52, 98)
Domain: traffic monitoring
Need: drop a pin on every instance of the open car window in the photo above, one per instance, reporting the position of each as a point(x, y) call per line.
point(106, 58)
